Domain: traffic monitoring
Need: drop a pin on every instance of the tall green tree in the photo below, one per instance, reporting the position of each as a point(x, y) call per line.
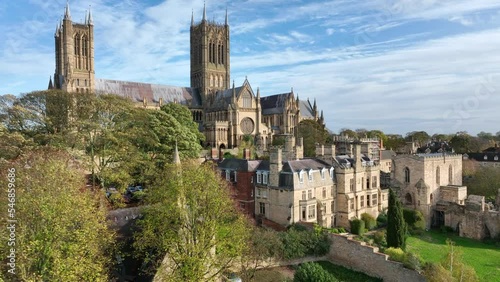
point(484, 181)
point(191, 230)
point(61, 232)
point(313, 133)
point(396, 225)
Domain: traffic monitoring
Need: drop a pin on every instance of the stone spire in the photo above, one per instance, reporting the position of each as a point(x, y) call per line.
point(51, 86)
point(177, 159)
point(226, 18)
point(67, 14)
point(192, 18)
point(56, 34)
point(204, 12)
point(91, 20)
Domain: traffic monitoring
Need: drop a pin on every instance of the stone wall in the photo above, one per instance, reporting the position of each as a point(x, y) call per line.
point(358, 256)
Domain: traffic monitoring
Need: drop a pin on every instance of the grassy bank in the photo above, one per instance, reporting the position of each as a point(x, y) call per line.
point(484, 258)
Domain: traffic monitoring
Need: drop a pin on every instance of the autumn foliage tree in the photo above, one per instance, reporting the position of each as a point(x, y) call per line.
point(61, 231)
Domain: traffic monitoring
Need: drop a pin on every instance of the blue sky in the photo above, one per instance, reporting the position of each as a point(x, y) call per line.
point(393, 65)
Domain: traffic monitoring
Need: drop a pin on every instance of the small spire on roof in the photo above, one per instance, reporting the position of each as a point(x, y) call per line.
point(192, 17)
point(204, 11)
point(226, 16)
point(91, 20)
point(67, 14)
point(51, 86)
point(177, 159)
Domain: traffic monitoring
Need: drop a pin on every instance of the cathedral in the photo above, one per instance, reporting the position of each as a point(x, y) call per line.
point(225, 113)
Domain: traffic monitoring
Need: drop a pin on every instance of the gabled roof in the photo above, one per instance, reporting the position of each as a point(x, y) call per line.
point(421, 184)
point(137, 92)
point(306, 109)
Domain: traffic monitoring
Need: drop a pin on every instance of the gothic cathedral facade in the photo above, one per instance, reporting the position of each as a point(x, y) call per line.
point(226, 114)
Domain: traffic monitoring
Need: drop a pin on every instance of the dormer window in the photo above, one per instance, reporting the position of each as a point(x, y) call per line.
point(264, 178)
point(301, 176)
point(310, 174)
point(485, 158)
point(259, 177)
point(331, 172)
point(323, 173)
point(495, 158)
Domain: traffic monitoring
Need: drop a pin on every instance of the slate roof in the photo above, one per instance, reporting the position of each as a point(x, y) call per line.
point(305, 164)
point(484, 157)
point(239, 164)
point(306, 109)
point(137, 91)
point(387, 154)
point(274, 104)
point(495, 149)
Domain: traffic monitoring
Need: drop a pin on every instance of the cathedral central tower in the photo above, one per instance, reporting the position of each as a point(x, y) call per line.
point(209, 43)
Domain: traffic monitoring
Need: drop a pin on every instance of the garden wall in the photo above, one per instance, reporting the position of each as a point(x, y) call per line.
point(358, 256)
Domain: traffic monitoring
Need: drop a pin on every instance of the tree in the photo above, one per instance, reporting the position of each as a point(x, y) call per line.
point(464, 143)
point(454, 264)
point(394, 142)
point(420, 137)
point(191, 230)
point(485, 135)
point(348, 132)
point(484, 181)
point(61, 232)
point(313, 133)
point(396, 225)
point(188, 135)
point(264, 245)
point(377, 134)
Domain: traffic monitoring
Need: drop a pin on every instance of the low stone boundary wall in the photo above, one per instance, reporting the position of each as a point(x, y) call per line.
point(358, 256)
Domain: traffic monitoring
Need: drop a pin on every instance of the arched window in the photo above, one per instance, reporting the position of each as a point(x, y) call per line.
point(407, 175)
point(211, 80)
point(431, 197)
point(408, 199)
point(438, 180)
point(216, 81)
point(450, 175)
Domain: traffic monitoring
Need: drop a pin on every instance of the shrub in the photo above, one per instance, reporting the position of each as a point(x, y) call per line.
point(337, 230)
point(415, 219)
point(379, 238)
point(299, 242)
point(357, 226)
point(370, 222)
point(413, 261)
point(382, 220)
point(395, 254)
point(312, 272)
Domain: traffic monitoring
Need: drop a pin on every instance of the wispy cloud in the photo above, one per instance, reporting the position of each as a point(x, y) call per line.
point(397, 65)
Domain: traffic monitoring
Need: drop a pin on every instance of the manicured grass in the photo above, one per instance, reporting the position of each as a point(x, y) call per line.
point(345, 274)
point(484, 258)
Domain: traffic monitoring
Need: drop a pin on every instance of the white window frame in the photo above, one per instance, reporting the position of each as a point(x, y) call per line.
point(259, 177)
point(310, 175)
point(264, 178)
point(301, 176)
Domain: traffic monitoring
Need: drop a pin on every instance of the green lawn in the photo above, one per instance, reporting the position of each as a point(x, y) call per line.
point(484, 258)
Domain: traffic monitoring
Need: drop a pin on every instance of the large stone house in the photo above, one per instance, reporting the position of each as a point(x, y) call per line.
point(290, 189)
point(357, 180)
point(225, 113)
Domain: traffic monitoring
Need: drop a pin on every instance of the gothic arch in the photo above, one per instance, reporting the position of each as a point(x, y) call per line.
point(408, 199)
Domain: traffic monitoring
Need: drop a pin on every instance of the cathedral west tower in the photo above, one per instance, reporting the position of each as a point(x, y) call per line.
point(74, 54)
point(210, 66)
